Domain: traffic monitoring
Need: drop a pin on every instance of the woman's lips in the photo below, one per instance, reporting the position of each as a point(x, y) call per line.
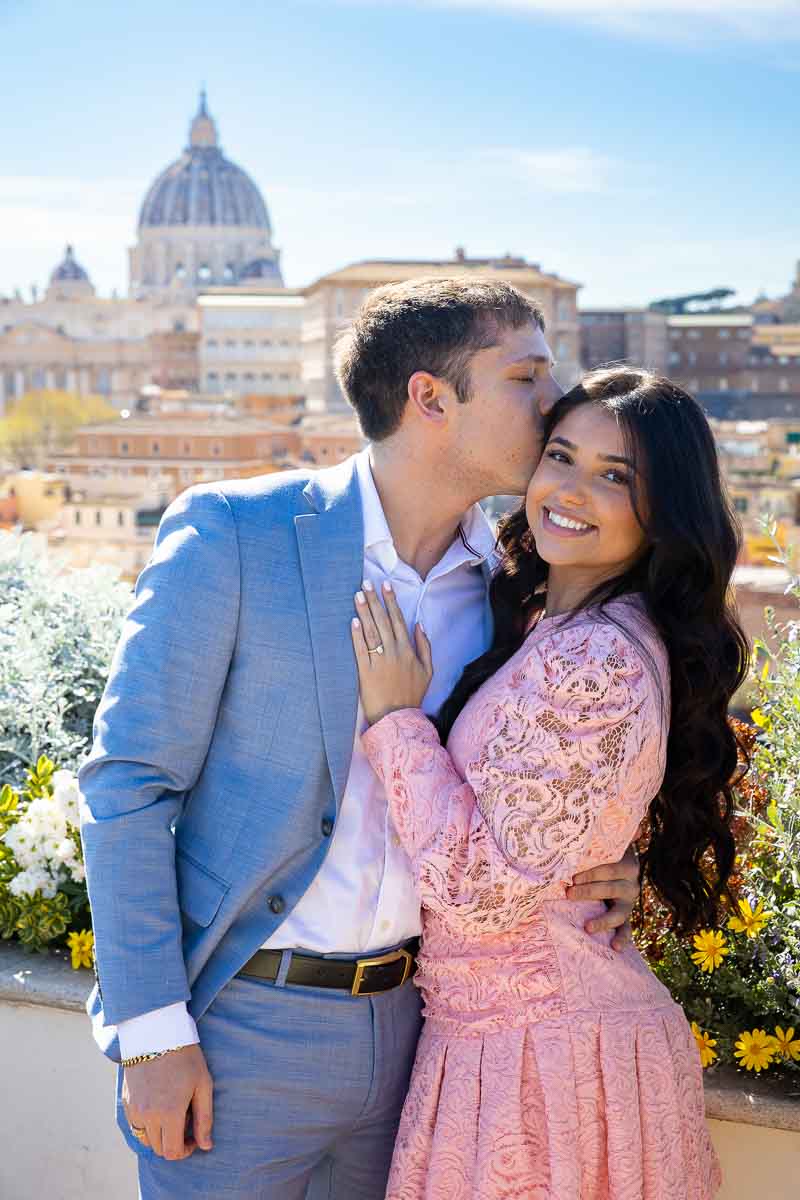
point(562, 530)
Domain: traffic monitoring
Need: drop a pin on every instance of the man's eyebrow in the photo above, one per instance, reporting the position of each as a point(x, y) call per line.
point(527, 359)
point(616, 458)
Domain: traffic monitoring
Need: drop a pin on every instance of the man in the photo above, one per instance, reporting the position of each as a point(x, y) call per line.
point(254, 916)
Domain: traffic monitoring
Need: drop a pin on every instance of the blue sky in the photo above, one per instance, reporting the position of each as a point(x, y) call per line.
point(641, 147)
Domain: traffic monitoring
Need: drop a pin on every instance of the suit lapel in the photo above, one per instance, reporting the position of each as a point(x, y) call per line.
point(331, 546)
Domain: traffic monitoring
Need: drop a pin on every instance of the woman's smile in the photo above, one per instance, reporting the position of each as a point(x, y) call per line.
point(560, 524)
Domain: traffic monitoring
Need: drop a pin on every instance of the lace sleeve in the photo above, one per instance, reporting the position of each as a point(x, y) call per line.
point(572, 736)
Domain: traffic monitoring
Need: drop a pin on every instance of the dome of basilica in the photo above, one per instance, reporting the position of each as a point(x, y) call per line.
point(204, 187)
point(68, 270)
point(261, 268)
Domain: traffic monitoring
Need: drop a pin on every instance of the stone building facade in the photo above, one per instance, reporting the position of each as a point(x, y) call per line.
point(332, 301)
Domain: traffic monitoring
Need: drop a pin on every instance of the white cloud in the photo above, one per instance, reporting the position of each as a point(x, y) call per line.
point(568, 171)
point(760, 20)
point(39, 215)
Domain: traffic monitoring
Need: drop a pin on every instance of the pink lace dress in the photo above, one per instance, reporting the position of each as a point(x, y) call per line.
point(550, 1066)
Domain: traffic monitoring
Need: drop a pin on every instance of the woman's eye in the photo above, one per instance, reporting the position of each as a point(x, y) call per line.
point(617, 477)
point(558, 455)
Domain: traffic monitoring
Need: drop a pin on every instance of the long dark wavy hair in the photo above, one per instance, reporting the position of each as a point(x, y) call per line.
point(684, 577)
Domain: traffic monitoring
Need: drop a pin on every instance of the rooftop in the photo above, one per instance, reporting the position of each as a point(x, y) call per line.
point(373, 272)
point(710, 320)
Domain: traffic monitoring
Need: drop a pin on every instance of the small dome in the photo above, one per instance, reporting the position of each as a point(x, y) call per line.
point(262, 268)
point(69, 271)
point(204, 187)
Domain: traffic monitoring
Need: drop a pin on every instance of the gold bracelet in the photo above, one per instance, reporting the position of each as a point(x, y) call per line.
point(140, 1058)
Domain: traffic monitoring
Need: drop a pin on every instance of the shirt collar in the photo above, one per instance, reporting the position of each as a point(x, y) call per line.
point(475, 541)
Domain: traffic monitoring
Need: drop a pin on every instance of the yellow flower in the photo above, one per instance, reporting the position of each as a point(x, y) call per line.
point(82, 947)
point(755, 1050)
point(704, 1043)
point(710, 949)
point(787, 1044)
point(750, 922)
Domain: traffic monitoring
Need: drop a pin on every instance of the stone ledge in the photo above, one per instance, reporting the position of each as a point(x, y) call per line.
point(49, 980)
point(733, 1095)
point(46, 979)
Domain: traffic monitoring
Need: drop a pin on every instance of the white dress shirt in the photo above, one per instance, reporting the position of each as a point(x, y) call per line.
point(366, 878)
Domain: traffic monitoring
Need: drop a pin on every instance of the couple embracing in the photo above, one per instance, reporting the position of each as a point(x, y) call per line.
point(357, 763)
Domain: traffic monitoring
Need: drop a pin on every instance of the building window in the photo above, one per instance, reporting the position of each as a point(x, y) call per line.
point(37, 379)
point(77, 516)
point(155, 447)
point(723, 383)
point(691, 358)
point(266, 342)
point(693, 333)
point(61, 380)
point(248, 375)
point(724, 333)
point(187, 447)
point(180, 271)
point(178, 327)
point(744, 334)
point(212, 343)
point(755, 384)
point(123, 449)
point(229, 274)
point(230, 343)
point(694, 385)
point(103, 381)
point(204, 273)
point(98, 517)
point(740, 503)
point(120, 518)
point(723, 358)
point(250, 344)
point(674, 334)
point(266, 375)
point(216, 449)
point(674, 357)
point(230, 377)
point(783, 385)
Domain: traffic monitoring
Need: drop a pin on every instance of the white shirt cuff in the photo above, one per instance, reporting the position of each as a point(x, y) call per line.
point(162, 1029)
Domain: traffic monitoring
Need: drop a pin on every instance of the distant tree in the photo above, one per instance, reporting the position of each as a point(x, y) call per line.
point(41, 422)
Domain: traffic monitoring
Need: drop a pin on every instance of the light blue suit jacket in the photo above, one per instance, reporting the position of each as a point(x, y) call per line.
point(223, 740)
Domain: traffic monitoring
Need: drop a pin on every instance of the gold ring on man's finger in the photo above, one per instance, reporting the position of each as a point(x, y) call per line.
point(139, 1133)
point(376, 650)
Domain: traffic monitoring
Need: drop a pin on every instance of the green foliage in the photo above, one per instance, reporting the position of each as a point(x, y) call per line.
point(58, 631)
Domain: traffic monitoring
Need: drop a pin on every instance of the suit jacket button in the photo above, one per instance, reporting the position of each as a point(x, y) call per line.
point(327, 826)
point(277, 904)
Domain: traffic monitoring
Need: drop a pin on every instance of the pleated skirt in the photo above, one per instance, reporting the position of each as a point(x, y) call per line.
point(583, 1107)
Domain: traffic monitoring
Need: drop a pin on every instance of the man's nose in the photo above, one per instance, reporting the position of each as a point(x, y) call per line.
point(551, 394)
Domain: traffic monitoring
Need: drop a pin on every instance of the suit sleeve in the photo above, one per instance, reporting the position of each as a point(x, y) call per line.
point(152, 731)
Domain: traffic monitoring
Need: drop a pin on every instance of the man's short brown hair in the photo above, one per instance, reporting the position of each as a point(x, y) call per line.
point(434, 325)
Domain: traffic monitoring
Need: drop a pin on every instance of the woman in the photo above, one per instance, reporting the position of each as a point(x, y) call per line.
point(549, 1065)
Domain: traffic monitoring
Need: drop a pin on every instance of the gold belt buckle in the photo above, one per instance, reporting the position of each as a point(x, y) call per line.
point(364, 963)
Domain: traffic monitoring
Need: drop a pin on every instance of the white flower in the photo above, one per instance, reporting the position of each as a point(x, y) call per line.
point(67, 796)
point(66, 851)
point(78, 872)
point(35, 879)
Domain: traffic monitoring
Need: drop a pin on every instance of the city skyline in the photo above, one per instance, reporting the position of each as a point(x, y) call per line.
point(641, 148)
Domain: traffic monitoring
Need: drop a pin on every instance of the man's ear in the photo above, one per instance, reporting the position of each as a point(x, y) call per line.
point(429, 396)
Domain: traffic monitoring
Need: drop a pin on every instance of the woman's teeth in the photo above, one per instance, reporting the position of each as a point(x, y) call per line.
point(567, 522)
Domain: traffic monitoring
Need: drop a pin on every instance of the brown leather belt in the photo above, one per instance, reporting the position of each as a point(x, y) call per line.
point(358, 976)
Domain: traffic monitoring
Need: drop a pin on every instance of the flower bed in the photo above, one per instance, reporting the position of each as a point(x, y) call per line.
point(739, 983)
